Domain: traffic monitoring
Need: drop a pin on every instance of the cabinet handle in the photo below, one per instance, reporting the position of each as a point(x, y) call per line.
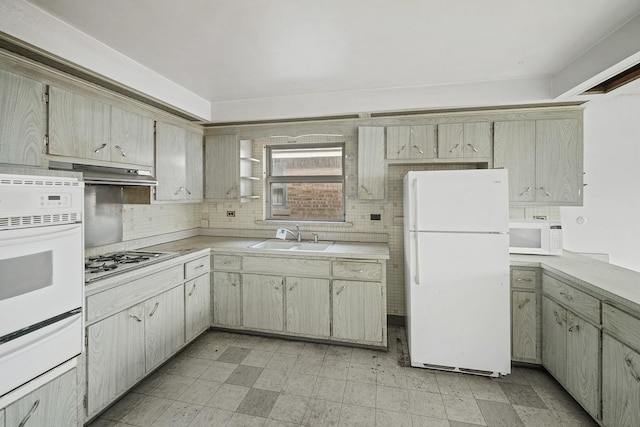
point(200, 266)
point(526, 191)
point(557, 316)
point(545, 191)
point(523, 280)
point(566, 296)
point(31, 411)
point(340, 290)
point(454, 147)
point(121, 151)
point(188, 192)
point(293, 285)
point(632, 368)
point(192, 289)
point(418, 148)
point(180, 190)
point(275, 286)
point(100, 148)
point(230, 190)
point(367, 190)
point(475, 150)
point(574, 328)
point(133, 316)
point(523, 303)
point(401, 148)
point(155, 307)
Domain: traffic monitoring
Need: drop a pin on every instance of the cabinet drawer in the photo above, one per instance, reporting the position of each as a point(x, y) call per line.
point(524, 279)
point(196, 268)
point(285, 266)
point(357, 270)
point(227, 262)
point(622, 325)
point(122, 297)
point(577, 301)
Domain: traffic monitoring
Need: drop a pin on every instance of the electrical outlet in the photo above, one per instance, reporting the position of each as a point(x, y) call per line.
point(375, 217)
point(231, 214)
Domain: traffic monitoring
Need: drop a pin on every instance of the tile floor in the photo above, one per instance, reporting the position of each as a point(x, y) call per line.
point(226, 379)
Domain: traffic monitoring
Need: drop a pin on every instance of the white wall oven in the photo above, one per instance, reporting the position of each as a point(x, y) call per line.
point(41, 279)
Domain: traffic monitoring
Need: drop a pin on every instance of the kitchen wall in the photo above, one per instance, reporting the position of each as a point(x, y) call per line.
point(612, 198)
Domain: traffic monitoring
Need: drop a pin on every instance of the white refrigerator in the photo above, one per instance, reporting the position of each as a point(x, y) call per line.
point(456, 247)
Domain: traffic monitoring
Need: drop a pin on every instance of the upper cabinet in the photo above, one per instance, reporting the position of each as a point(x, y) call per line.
point(178, 163)
point(411, 142)
point(371, 167)
point(464, 140)
point(83, 127)
point(229, 168)
point(22, 120)
point(544, 159)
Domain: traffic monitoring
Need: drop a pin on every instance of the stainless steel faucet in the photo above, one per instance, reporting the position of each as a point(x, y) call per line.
point(315, 237)
point(297, 236)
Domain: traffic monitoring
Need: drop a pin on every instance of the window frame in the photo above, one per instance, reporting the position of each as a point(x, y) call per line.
point(321, 179)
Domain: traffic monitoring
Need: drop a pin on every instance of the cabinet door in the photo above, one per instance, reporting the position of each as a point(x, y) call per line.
point(78, 126)
point(477, 140)
point(197, 303)
point(262, 302)
point(450, 140)
point(523, 326)
point(371, 167)
point(620, 384)
point(226, 299)
point(554, 336)
point(131, 137)
point(53, 404)
point(423, 141)
point(193, 153)
point(357, 310)
point(307, 306)
point(115, 356)
point(558, 165)
point(221, 167)
point(22, 120)
point(1, 417)
point(583, 363)
point(164, 326)
point(171, 161)
point(398, 142)
point(514, 148)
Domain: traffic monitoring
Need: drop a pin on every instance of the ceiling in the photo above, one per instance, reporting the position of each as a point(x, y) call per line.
point(233, 53)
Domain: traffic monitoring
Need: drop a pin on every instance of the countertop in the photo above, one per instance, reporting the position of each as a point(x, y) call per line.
point(611, 281)
point(242, 246)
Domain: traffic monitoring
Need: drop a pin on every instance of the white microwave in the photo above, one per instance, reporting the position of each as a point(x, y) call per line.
point(535, 237)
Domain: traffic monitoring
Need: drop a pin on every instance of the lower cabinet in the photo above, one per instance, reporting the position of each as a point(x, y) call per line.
point(53, 404)
point(124, 347)
point(525, 315)
point(263, 302)
point(308, 306)
point(333, 299)
point(620, 367)
point(197, 306)
point(115, 356)
point(357, 310)
point(163, 326)
point(571, 344)
point(620, 384)
point(227, 299)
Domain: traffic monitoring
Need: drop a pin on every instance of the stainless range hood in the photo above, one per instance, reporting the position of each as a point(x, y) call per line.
point(108, 175)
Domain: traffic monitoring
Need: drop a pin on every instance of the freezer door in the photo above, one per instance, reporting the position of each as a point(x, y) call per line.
point(462, 200)
point(459, 310)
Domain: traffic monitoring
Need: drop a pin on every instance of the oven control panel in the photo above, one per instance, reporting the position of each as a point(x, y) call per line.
point(57, 200)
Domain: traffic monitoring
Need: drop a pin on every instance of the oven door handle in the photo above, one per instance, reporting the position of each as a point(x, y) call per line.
point(37, 234)
point(9, 350)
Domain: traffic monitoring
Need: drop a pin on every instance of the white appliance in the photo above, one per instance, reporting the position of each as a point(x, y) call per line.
point(535, 237)
point(41, 279)
point(457, 270)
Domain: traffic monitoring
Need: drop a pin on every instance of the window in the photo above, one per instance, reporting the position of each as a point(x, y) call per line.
point(305, 182)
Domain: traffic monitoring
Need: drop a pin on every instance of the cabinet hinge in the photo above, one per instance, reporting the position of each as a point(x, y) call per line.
point(86, 340)
point(45, 96)
point(46, 141)
point(85, 401)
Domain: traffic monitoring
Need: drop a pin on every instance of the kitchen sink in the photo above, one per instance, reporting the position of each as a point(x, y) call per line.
point(292, 245)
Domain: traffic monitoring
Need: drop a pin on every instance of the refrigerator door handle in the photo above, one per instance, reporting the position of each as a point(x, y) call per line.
point(417, 227)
